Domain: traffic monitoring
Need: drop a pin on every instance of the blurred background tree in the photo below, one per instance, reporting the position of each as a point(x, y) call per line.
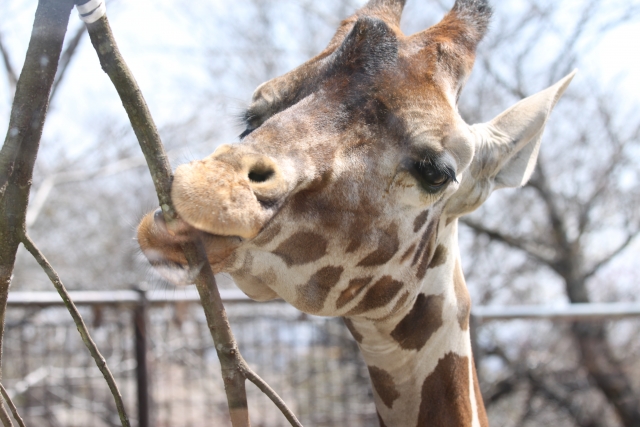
point(569, 236)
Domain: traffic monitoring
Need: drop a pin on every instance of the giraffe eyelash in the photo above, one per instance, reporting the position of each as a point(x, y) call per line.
point(440, 167)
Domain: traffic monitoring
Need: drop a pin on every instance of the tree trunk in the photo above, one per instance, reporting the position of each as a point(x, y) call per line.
point(597, 358)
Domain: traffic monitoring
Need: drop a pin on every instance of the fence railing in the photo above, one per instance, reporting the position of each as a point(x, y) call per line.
point(158, 346)
point(568, 312)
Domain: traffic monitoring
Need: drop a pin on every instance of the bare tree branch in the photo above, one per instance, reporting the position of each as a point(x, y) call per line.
point(270, 393)
point(501, 389)
point(516, 91)
point(514, 242)
point(82, 328)
point(234, 370)
point(558, 224)
point(562, 402)
point(44, 190)
point(66, 57)
point(604, 261)
point(12, 406)
point(565, 61)
point(603, 182)
point(11, 74)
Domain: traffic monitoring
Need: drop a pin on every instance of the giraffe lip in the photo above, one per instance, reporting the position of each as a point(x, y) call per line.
point(208, 235)
point(183, 231)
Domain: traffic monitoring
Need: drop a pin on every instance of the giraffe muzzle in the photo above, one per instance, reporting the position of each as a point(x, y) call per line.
point(230, 193)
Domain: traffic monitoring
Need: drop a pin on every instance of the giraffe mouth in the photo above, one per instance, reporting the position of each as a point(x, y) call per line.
point(183, 232)
point(162, 244)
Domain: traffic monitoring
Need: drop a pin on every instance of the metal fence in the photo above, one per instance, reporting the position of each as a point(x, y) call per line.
point(311, 361)
point(158, 346)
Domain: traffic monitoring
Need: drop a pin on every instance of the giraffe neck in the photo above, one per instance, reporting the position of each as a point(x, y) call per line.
point(420, 359)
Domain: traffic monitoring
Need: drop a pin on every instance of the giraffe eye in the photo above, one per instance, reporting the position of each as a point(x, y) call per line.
point(432, 177)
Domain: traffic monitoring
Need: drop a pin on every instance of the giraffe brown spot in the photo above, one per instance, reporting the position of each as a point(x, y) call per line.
point(439, 257)
point(302, 248)
point(462, 297)
point(426, 237)
point(357, 231)
point(384, 385)
point(445, 398)
point(267, 236)
point(427, 257)
point(482, 412)
point(351, 327)
point(355, 286)
point(407, 253)
point(312, 296)
point(418, 223)
point(403, 298)
point(425, 318)
point(380, 294)
point(309, 200)
point(388, 245)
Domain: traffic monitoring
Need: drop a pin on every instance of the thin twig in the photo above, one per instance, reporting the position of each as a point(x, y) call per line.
point(512, 241)
point(82, 328)
point(12, 406)
point(11, 74)
point(270, 393)
point(43, 192)
point(65, 59)
point(604, 261)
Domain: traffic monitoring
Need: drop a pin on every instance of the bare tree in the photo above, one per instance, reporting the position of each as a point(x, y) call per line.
point(580, 205)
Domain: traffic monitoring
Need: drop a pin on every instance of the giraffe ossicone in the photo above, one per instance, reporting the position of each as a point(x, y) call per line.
point(344, 194)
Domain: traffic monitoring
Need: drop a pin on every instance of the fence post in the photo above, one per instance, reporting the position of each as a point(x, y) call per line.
point(140, 320)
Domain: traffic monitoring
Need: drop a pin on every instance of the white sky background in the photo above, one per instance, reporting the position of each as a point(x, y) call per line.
point(165, 52)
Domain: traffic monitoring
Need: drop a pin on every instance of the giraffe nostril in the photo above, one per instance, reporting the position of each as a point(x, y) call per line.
point(259, 174)
point(265, 180)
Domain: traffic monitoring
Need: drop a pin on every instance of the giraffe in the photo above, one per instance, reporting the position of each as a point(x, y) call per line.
point(343, 199)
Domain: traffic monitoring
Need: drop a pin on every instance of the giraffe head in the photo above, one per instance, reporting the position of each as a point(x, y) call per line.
point(349, 166)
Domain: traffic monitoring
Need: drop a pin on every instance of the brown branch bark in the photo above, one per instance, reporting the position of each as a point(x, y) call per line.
point(82, 328)
point(19, 152)
point(266, 389)
point(234, 369)
point(12, 406)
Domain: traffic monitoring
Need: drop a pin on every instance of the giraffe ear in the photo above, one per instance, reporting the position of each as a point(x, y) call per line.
point(507, 147)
